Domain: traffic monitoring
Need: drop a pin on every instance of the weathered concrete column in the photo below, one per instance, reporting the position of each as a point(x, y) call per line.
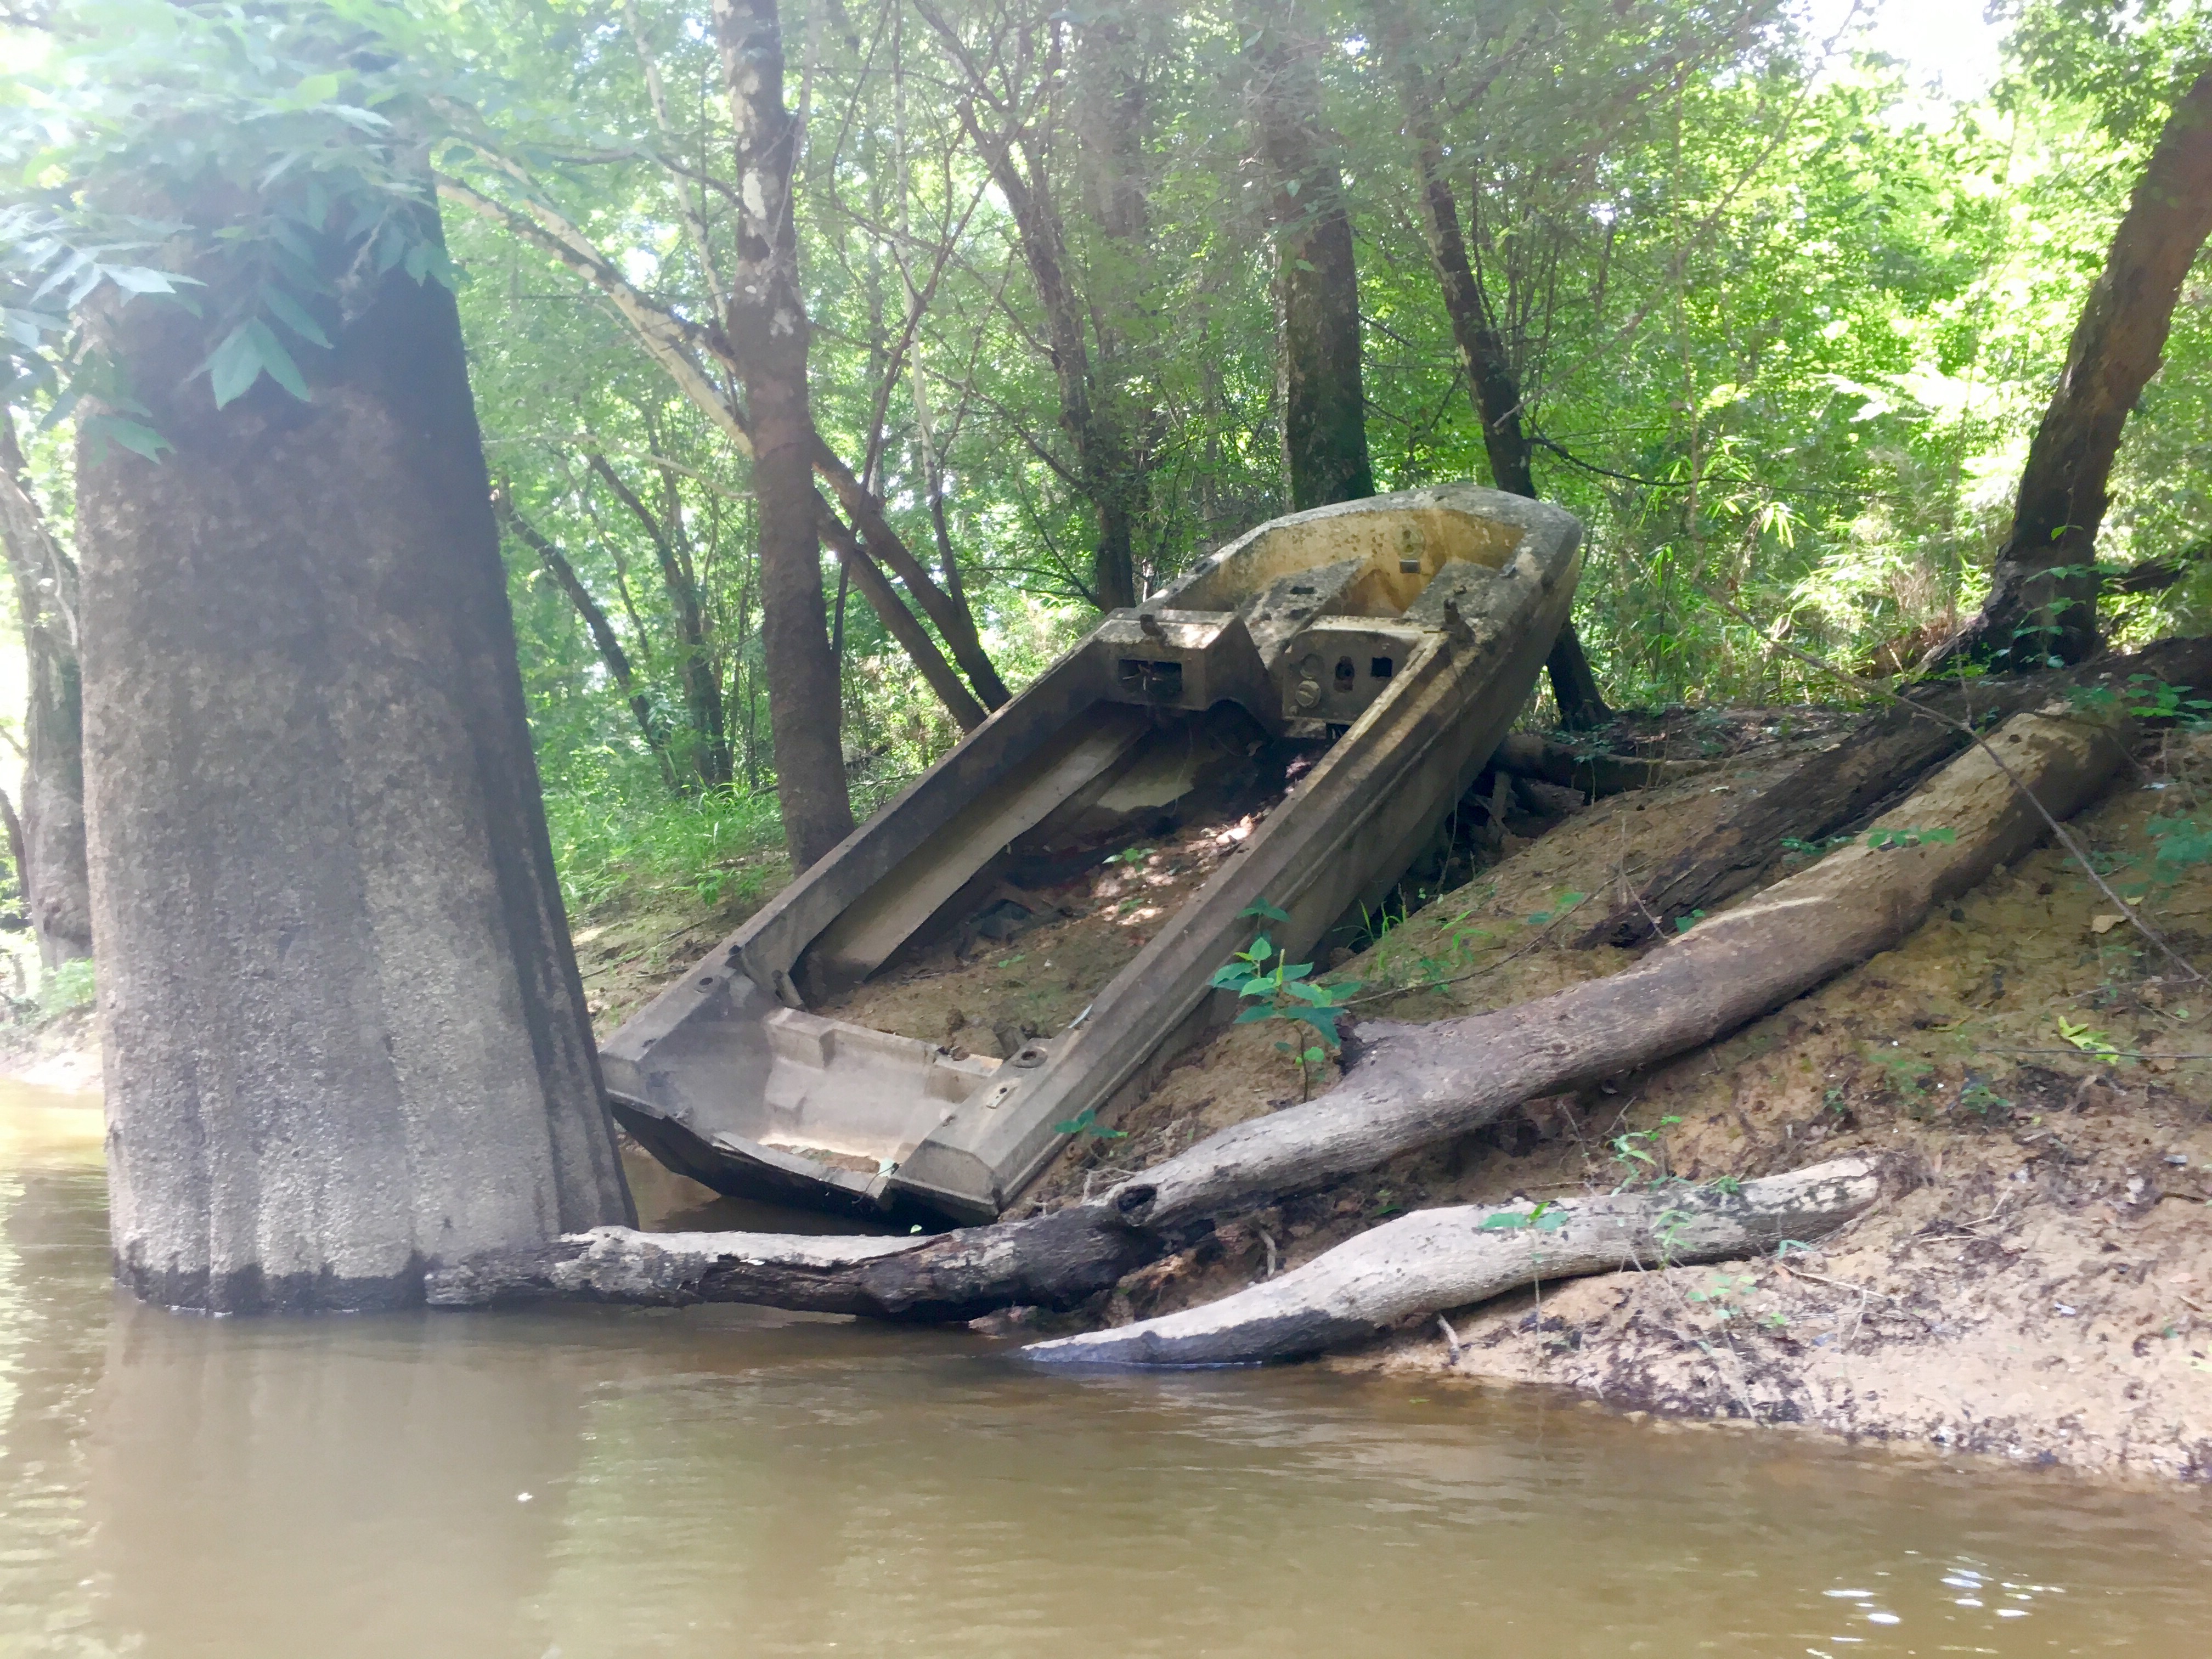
point(344, 1032)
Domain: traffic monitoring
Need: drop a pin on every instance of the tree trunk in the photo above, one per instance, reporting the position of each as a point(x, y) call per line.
point(889, 550)
point(344, 1037)
point(710, 760)
point(1433, 1260)
point(1840, 785)
point(899, 622)
point(2042, 603)
point(1406, 1087)
point(1491, 381)
point(768, 329)
point(1316, 282)
point(1103, 464)
point(52, 870)
point(601, 629)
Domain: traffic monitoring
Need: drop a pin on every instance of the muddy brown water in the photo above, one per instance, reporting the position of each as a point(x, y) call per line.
point(589, 1482)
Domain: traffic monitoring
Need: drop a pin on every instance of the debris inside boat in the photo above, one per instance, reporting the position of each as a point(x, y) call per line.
point(1264, 745)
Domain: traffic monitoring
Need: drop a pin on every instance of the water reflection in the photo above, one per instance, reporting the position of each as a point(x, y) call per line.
point(601, 1482)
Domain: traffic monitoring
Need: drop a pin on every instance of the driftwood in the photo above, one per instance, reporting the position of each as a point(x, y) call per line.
point(1840, 785)
point(1436, 1260)
point(1407, 1087)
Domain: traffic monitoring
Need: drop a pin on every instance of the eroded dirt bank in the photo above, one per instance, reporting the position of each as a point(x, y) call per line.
point(2038, 1285)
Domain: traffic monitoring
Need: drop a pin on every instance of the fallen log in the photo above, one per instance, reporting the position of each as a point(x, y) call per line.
point(1434, 1261)
point(1406, 1087)
point(1838, 786)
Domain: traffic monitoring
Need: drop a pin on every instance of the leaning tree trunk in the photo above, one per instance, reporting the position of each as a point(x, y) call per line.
point(2042, 590)
point(768, 328)
point(344, 1037)
point(51, 866)
point(600, 628)
point(1316, 284)
point(1491, 383)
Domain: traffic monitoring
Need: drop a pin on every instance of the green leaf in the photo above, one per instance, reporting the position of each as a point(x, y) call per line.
point(290, 313)
point(1232, 976)
point(1251, 1015)
point(1267, 910)
point(276, 359)
point(143, 279)
point(134, 436)
point(235, 365)
point(318, 88)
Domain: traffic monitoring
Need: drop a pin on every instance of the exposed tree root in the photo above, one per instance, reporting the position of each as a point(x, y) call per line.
point(1437, 1260)
point(1407, 1087)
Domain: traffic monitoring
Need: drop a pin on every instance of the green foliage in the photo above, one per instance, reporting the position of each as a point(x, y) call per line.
point(1782, 324)
point(1546, 1217)
point(1637, 1153)
point(256, 166)
point(1263, 974)
point(2179, 843)
point(724, 847)
point(1084, 1125)
point(69, 985)
point(2097, 1045)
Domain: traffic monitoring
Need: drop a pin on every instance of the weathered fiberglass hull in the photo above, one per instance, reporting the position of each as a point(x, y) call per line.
point(1411, 628)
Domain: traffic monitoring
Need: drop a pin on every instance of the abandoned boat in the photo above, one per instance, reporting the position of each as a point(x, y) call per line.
point(1395, 639)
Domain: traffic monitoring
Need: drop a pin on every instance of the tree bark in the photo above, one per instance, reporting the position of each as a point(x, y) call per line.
point(1406, 1087)
point(1316, 282)
point(889, 550)
point(1525, 755)
point(768, 329)
point(600, 627)
point(710, 761)
point(1089, 413)
point(1491, 384)
point(899, 622)
point(678, 343)
point(344, 1037)
point(57, 893)
point(2042, 590)
point(1842, 784)
point(1433, 1260)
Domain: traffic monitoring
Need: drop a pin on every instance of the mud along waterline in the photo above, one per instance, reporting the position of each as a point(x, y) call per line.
point(601, 1482)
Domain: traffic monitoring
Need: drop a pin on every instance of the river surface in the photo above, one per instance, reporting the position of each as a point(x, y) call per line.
point(588, 1482)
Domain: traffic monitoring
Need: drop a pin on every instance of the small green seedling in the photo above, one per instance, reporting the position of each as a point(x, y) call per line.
point(1565, 902)
point(1814, 849)
point(1263, 974)
point(2096, 1043)
point(1683, 924)
point(1084, 1125)
point(1130, 855)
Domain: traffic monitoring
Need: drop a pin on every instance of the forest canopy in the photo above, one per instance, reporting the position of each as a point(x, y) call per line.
point(1777, 321)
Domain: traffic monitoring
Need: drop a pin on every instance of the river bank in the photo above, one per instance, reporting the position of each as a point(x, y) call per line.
point(2036, 1287)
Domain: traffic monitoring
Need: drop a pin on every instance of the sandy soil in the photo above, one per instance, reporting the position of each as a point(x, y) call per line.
point(2039, 1285)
